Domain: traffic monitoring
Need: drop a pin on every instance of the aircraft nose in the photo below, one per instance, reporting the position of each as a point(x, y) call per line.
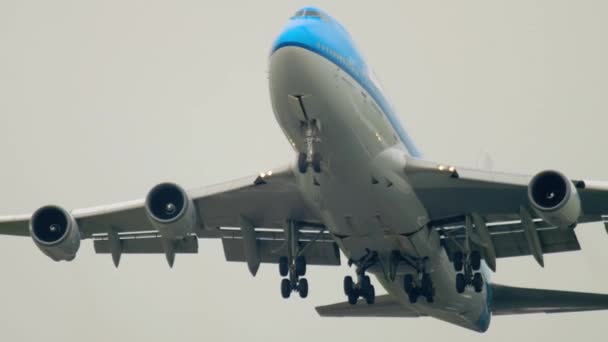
point(302, 34)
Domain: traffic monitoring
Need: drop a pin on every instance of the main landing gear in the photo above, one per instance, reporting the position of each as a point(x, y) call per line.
point(423, 287)
point(468, 266)
point(363, 287)
point(293, 266)
point(419, 284)
point(310, 157)
point(293, 271)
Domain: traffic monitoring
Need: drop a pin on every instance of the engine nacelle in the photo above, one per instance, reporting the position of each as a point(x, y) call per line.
point(171, 211)
point(55, 232)
point(555, 199)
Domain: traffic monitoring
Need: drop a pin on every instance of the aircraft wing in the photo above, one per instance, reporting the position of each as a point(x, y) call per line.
point(451, 194)
point(265, 201)
point(496, 196)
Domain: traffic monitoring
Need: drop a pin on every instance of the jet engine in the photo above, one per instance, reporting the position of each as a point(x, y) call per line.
point(170, 210)
point(555, 199)
point(55, 232)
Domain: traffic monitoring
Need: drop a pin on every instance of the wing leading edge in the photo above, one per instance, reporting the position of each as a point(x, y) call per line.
point(264, 201)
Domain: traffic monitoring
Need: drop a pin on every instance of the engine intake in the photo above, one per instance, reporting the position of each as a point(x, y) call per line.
point(555, 198)
point(55, 232)
point(170, 210)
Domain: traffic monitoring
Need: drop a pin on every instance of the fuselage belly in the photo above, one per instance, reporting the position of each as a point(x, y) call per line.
point(361, 201)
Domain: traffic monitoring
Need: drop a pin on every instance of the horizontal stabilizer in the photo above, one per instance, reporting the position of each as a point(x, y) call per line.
point(507, 300)
point(385, 306)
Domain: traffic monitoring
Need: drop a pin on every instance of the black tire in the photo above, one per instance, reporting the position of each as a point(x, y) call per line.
point(366, 283)
point(413, 296)
point(300, 266)
point(352, 298)
point(478, 282)
point(370, 296)
point(458, 259)
point(303, 288)
point(285, 288)
point(426, 285)
point(408, 283)
point(475, 260)
point(283, 266)
point(302, 163)
point(348, 285)
point(316, 162)
point(461, 283)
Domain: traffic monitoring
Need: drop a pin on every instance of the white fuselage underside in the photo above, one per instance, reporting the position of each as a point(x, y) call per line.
point(363, 203)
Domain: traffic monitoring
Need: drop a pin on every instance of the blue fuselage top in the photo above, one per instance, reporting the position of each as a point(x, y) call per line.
point(314, 30)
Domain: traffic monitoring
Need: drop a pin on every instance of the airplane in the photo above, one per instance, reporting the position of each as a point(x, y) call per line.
point(429, 232)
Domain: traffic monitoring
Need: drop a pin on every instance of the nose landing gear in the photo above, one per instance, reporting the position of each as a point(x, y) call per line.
point(311, 157)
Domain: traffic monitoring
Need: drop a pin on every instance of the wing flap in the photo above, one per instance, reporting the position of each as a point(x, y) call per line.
point(320, 252)
point(510, 240)
point(147, 244)
point(507, 300)
point(385, 306)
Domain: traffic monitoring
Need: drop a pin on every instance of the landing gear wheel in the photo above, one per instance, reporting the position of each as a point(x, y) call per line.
point(300, 265)
point(408, 283)
point(365, 283)
point(426, 286)
point(348, 285)
point(303, 288)
point(370, 296)
point(427, 289)
point(478, 282)
point(302, 162)
point(460, 283)
point(475, 260)
point(285, 288)
point(283, 266)
point(458, 259)
point(352, 298)
point(413, 296)
point(316, 162)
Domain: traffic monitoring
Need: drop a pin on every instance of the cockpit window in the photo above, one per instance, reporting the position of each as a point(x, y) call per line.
point(313, 13)
point(310, 13)
point(299, 13)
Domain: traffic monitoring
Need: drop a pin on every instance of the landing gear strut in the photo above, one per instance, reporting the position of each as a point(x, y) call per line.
point(468, 264)
point(363, 287)
point(311, 157)
point(293, 266)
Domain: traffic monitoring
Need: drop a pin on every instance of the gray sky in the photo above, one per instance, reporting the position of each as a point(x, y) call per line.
point(100, 100)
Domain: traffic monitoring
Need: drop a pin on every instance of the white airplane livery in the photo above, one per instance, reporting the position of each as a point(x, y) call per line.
point(430, 233)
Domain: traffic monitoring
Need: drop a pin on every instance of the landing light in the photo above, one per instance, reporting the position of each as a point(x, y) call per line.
point(265, 174)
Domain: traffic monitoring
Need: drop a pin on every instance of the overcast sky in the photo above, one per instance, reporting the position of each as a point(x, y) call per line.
point(101, 100)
